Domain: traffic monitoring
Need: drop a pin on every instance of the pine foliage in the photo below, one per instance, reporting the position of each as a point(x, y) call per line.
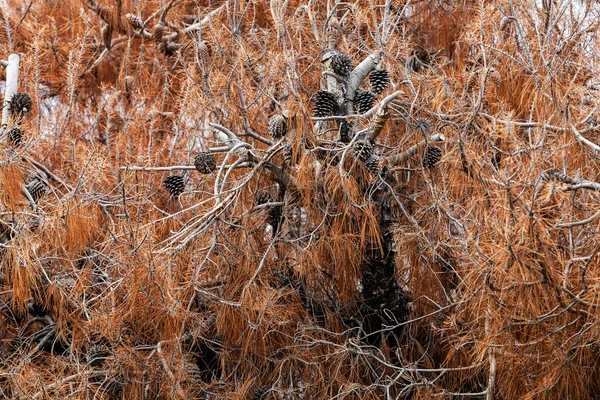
point(320, 259)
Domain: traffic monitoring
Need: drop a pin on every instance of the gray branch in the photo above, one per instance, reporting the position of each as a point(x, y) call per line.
point(12, 84)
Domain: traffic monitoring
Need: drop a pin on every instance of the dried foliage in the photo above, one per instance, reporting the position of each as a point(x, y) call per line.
point(334, 255)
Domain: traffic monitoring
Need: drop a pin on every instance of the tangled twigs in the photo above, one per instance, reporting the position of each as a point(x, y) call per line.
point(71, 378)
point(50, 327)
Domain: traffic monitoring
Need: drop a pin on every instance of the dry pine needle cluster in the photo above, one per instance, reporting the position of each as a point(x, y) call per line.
point(239, 199)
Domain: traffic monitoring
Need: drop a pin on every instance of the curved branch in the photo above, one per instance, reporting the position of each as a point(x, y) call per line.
point(578, 223)
point(583, 140)
point(361, 71)
point(205, 21)
point(397, 159)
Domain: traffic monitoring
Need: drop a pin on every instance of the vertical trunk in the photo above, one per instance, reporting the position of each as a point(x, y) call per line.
point(12, 83)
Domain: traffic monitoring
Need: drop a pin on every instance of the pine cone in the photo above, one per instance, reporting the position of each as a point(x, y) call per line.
point(67, 283)
point(174, 184)
point(192, 373)
point(432, 156)
point(362, 150)
point(344, 130)
point(277, 126)
point(372, 165)
point(263, 197)
point(324, 104)
point(135, 21)
point(205, 162)
point(15, 137)
point(363, 101)
point(20, 104)
point(423, 125)
point(341, 64)
point(379, 80)
point(37, 186)
point(204, 49)
point(470, 80)
point(96, 355)
point(157, 33)
point(494, 76)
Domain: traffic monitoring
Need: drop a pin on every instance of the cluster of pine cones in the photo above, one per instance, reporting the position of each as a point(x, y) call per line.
point(326, 103)
point(205, 163)
point(20, 105)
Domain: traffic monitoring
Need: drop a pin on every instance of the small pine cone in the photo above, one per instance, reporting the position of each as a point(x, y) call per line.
point(20, 104)
point(277, 126)
point(372, 165)
point(362, 150)
point(158, 32)
point(37, 186)
point(432, 156)
point(66, 283)
point(470, 81)
point(15, 137)
point(494, 76)
point(341, 64)
point(174, 184)
point(379, 80)
point(191, 373)
point(423, 125)
point(363, 101)
point(263, 197)
point(204, 50)
point(344, 130)
point(205, 162)
point(96, 355)
point(135, 21)
point(324, 104)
